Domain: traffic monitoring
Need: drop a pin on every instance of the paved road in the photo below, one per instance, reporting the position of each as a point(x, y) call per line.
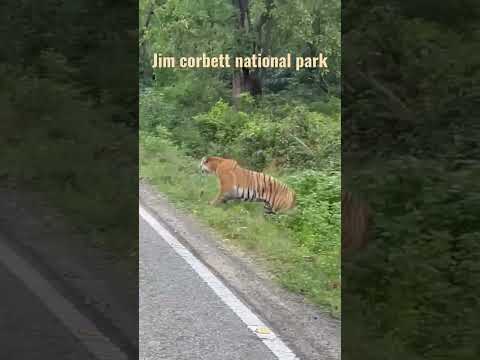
point(307, 331)
point(181, 317)
point(38, 322)
point(61, 295)
point(28, 329)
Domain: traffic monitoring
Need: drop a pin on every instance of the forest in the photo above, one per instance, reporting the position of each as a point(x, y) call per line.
point(285, 122)
point(410, 80)
point(410, 130)
point(69, 126)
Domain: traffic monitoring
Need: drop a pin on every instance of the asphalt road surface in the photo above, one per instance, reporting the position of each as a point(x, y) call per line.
point(185, 310)
point(186, 314)
point(23, 316)
point(38, 322)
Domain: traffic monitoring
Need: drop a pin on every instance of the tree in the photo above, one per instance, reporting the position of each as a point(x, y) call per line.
point(243, 79)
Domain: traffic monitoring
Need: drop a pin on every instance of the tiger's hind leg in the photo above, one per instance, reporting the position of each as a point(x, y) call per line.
point(268, 209)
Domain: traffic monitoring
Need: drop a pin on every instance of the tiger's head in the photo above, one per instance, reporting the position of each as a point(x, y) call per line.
point(205, 165)
point(210, 164)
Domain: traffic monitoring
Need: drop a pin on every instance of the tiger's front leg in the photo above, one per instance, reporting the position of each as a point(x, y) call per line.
point(222, 193)
point(219, 199)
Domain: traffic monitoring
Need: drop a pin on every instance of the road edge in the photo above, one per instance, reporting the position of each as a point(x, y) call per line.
point(311, 333)
point(86, 276)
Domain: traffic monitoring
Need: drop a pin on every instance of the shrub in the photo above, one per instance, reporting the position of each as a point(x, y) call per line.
point(316, 221)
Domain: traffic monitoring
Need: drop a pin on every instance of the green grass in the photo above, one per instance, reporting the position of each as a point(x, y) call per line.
point(302, 255)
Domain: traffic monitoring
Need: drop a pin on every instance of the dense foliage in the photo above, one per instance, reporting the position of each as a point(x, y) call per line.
point(264, 132)
point(411, 147)
point(291, 131)
point(66, 93)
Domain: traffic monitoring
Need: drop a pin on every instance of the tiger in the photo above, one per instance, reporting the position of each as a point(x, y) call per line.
point(357, 221)
point(238, 183)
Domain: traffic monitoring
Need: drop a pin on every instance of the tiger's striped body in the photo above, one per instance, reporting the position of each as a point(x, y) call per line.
point(256, 186)
point(247, 185)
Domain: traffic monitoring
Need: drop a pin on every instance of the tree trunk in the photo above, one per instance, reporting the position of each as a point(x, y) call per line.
point(146, 70)
point(263, 30)
point(243, 80)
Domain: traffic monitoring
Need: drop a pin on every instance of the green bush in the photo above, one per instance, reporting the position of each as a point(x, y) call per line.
point(423, 257)
point(220, 125)
point(317, 222)
point(258, 135)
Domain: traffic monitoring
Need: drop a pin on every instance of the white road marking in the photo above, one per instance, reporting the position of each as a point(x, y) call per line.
point(273, 342)
point(81, 327)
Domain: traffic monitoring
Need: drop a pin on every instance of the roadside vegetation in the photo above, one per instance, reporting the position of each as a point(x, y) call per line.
point(279, 121)
point(67, 134)
point(303, 247)
point(410, 146)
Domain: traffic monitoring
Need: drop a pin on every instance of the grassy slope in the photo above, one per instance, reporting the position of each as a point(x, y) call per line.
point(177, 176)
